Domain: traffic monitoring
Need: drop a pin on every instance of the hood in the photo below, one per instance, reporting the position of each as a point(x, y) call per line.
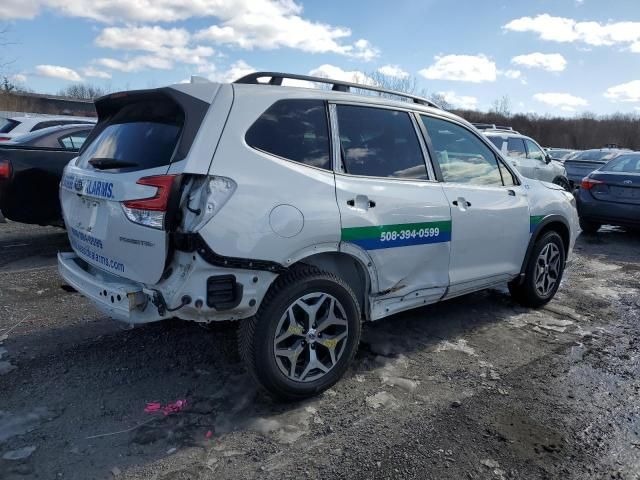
point(551, 186)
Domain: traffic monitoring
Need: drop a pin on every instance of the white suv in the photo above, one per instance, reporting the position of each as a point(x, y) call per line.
point(301, 212)
point(526, 155)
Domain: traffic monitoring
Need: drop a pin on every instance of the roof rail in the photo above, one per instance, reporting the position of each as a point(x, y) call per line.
point(337, 85)
point(496, 128)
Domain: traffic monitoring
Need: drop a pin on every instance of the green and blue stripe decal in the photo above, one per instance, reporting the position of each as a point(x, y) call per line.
point(398, 235)
point(534, 220)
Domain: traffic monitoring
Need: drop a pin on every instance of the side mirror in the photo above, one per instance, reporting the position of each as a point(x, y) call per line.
point(548, 159)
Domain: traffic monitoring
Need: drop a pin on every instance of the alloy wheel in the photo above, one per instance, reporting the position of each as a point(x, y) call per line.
point(310, 337)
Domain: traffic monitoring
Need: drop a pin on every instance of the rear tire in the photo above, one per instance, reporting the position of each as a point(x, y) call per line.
point(589, 227)
point(304, 335)
point(564, 183)
point(543, 273)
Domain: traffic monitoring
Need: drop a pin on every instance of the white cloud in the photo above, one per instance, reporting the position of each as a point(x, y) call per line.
point(463, 102)
point(56, 71)
point(15, 9)
point(168, 45)
point(234, 72)
point(512, 74)
point(561, 29)
point(249, 27)
point(94, 72)
point(551, 62)
point(463, 68)
point(564, 101)
point(141, 62)
point(393, 71)
point(336, 73)
point(18, 78)
point(263, 24)
point(626, 92)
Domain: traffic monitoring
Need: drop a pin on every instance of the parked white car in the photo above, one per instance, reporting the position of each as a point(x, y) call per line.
point(301, 213)
point(14, 127)
point(526, 155)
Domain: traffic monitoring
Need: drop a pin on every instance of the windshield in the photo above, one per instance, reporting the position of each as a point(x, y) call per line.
point(6, 125)
point(623, 164)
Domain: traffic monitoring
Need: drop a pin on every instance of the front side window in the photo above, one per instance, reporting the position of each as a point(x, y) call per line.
point(515, 148)
point(379, 143)
point(534, 151)
point(293, 129)
point(462, 157)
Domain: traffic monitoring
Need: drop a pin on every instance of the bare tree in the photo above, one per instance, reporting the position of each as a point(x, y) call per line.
point(502, 106)
point(83, 91)
point(440, 100)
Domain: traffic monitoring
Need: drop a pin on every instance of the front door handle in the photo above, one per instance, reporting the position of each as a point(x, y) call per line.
point(461, 202)
point(361, 202)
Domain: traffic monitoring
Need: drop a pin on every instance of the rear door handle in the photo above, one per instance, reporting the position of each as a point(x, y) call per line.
point(461, 201)
point(511, 192)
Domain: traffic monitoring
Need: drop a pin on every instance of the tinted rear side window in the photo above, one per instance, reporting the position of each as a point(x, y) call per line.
point(293, 129)
point(6, 125)
point(379, 143)
point(143, 135)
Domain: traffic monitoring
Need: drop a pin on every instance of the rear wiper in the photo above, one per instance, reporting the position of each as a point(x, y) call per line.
point(103, 163)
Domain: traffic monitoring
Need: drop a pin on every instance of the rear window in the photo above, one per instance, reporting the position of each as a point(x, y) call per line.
point(6, 125)
point(623, 164)
point(293, 129)
point(596, 155)
point(139, 136)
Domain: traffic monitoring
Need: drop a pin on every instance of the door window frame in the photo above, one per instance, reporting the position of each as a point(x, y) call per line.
point(336, 145)
point(500, 163)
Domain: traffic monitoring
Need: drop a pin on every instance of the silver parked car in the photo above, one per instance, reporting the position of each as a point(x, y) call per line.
point(526, 155)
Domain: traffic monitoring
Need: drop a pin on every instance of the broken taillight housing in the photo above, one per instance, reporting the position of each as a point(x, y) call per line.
point(151, 211)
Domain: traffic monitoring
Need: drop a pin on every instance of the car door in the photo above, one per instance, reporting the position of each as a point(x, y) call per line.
point(538, 158)
point(489, 210)
point(392, 208)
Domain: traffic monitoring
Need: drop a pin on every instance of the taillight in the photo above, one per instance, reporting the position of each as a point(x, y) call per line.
point(588, 183)
point(151, 211)
point(5, 139)
point(5, 169)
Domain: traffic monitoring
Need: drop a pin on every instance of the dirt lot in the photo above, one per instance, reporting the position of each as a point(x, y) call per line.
point(472, 388)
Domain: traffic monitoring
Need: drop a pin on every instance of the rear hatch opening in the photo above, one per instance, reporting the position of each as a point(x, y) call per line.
point(119, 201)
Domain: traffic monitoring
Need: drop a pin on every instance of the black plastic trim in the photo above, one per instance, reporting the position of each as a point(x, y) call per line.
point(227, 285)
point(193, 242)
point(536, 234)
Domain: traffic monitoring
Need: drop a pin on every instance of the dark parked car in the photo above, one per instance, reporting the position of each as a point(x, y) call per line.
point(611, 195)
point(30, 172)
point(559, 154)
point(581, 164)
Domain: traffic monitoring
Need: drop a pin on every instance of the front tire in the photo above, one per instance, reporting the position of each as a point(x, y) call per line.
point(304, 335)
point(564, 183)
point(589, 227)
point(543, 272)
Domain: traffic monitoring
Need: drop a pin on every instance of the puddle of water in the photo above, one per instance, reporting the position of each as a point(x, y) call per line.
point(12, 425)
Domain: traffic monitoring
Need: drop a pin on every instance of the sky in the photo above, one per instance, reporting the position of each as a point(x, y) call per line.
point(558, 57)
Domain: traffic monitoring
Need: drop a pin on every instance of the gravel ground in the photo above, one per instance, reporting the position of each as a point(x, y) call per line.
point(475, 388)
